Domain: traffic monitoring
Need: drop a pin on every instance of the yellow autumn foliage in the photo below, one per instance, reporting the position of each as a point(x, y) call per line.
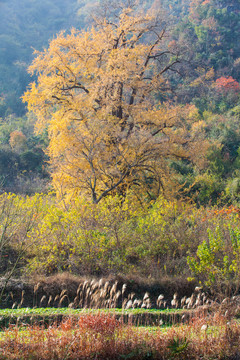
point(96, 93)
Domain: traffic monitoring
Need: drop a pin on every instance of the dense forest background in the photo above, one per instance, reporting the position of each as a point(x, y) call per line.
point(25, 27)
point(205, 34)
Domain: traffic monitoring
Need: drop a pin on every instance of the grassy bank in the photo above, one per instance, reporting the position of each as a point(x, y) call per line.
point(137, 317)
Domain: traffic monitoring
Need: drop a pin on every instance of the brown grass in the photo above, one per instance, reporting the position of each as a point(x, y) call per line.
point(103, 337)
point(65, 289)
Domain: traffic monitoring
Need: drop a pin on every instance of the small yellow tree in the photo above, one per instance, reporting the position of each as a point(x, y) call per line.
point(18, 141)
point(96, 92)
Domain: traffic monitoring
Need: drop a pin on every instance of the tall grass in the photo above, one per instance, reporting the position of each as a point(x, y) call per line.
point(68, 291)
point(101, 337)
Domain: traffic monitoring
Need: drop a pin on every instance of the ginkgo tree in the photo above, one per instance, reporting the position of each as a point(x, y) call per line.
point(97, 93)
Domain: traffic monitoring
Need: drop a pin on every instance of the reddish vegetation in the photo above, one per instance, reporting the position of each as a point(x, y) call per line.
point(224, 84)
point(103, 337)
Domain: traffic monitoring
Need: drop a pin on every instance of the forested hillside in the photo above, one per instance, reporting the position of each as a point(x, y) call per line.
point(206, 31)
point(127, 114)
point(25, 26)
point(202, 34)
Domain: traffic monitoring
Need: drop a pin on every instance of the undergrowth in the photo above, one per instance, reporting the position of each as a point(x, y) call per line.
point(102, 336)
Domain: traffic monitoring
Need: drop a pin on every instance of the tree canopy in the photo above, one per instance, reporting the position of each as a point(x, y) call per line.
point(97, 92)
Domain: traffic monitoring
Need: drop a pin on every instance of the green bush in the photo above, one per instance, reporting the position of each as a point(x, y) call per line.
point(217, 260)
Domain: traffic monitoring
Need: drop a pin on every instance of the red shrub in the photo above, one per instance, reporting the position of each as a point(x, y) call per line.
point(104, 324)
